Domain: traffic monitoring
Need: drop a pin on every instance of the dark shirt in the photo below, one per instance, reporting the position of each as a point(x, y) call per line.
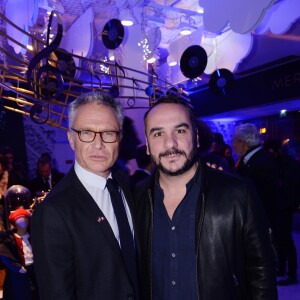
point(173, 249)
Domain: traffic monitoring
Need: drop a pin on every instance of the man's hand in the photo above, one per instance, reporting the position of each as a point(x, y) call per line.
point(214, 166)
point(22, 270)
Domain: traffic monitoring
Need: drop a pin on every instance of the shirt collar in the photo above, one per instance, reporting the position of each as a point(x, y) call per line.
point(251, 153)
point(90, 178)
point(24, 236)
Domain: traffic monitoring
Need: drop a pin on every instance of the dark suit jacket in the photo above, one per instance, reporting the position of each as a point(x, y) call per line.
point(37, 184)
point(138, 176)
point(261, 168)
point(75, 251)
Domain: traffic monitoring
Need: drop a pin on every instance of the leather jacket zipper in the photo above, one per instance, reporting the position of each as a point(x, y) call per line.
point(272, 243)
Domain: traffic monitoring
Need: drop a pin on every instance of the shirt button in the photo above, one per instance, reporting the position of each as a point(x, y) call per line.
point(173, 227)
point(173, 282)
point(173, 254)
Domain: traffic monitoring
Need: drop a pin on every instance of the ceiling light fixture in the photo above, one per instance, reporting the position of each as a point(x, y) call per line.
point(171, 61)
point(29, 47)
point(111, 55)
point(126, 17)
point(187, 27)
point(151, 59)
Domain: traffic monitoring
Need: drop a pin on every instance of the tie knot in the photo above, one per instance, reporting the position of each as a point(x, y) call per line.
point(111, 184)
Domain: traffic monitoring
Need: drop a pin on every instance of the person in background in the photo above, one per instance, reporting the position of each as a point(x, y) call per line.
point(206, 138)
point(46, 177)
point(202, 231)
point(258, 166)
point(128, 144)
point(17, 257)
point(229, 157)
point(218, 144)
point(289, 194)
point(145, 166)
point(7, 180)
point(82, 232)
point(16, 169)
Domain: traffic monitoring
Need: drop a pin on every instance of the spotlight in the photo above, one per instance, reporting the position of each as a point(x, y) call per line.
point(111, 55)
point(283, 113)
point(126, 17)
point(151, 59)
point(187, 27)
point(171, 61)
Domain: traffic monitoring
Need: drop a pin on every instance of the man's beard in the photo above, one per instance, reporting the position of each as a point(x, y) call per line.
point(190, 161)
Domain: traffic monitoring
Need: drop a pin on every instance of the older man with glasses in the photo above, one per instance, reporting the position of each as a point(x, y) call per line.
point(83, 234)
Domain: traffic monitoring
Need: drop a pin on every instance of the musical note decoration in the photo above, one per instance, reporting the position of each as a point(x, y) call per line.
point(38, 98)
point(45, 80)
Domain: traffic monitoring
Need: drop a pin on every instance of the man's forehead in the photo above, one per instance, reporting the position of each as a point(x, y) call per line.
point(167, 115)
point(168, 109)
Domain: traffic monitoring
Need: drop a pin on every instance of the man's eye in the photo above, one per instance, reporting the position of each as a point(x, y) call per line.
point(86, 132)
point(108, 133)
point(157, 134)
point(181, 130)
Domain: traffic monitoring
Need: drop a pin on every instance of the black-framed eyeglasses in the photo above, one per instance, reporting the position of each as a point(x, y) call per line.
point(88, 136)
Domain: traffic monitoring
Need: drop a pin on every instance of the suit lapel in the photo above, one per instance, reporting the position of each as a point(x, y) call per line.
point(86, 203)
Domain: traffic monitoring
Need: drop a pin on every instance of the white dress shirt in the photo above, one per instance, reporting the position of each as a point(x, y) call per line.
point(95, 185)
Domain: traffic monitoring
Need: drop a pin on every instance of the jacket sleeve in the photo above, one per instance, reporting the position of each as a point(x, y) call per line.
point(11, 264)
point(260, 252)
point(53, 254)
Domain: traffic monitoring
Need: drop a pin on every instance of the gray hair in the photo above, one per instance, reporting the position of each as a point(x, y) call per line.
point(247, 133)
point(95, 98)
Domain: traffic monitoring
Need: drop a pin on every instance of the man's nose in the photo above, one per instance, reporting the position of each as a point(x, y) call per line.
point(171, 140)
point(98, 141)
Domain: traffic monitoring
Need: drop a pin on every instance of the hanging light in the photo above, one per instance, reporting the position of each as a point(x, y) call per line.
point(126, 17)
point(186, 27)
point(172, 61)
point(151, 59)
point(111, 55)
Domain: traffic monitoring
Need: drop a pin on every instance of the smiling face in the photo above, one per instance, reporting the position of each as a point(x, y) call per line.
point(97, 157)
point(171, 141)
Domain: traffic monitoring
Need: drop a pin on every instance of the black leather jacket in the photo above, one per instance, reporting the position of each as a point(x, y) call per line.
point(235, 256)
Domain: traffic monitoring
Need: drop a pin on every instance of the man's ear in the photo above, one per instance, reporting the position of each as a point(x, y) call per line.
point(71, 139)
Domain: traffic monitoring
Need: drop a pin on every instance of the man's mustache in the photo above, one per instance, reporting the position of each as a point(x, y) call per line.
point(172, 152)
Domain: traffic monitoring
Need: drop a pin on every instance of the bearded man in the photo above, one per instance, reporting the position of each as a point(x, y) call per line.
point(202, 231)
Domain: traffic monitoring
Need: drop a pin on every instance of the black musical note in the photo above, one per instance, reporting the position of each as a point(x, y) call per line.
point(114, 90)
point(93, 74)
point(131, 100)
point(42, 75)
